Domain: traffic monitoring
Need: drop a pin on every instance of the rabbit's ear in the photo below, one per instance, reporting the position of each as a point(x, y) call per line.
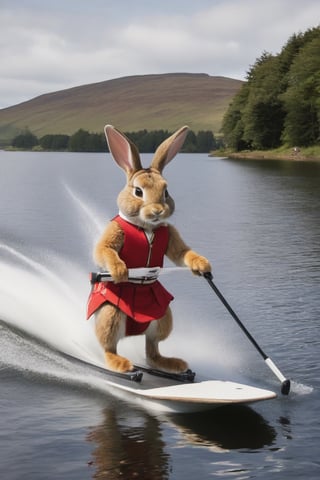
point(123, 151)
point(169, 149)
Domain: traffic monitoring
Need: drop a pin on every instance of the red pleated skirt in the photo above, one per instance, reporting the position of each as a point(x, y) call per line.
point(141, 303)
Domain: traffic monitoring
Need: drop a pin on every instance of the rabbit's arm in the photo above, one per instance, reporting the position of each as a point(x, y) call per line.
point(182, 255)
point(106, 252)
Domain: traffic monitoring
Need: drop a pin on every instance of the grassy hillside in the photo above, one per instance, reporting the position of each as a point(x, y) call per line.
point(149, 102)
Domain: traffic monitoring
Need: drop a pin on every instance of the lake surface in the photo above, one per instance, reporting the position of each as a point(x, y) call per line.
point(258, 222)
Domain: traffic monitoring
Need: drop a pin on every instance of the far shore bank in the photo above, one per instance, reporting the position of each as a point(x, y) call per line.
point(267, 155)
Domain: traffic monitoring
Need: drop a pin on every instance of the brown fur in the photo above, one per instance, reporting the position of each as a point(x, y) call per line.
point(148, 210)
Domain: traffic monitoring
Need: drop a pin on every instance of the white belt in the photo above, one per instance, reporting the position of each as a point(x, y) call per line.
point(140, 276)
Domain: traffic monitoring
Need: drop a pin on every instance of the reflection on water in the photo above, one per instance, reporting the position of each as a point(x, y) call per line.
point(286, 427)
point(129, 443)
point(227, 428)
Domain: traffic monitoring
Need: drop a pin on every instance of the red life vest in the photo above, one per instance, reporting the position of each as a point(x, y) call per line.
point(141, 303)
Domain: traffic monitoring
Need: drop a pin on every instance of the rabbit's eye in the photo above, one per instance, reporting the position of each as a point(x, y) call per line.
point(138, 192)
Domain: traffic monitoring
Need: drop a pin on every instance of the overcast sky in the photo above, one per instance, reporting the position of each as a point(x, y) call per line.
point(49, 45)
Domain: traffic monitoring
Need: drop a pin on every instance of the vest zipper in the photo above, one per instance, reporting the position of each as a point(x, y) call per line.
point(150, 239)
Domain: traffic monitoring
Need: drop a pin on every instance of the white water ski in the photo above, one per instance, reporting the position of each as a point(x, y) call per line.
point(171, 395)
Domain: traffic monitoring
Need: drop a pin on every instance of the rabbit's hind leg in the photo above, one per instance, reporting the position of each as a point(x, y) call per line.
point(157, 331)
point(110, 328)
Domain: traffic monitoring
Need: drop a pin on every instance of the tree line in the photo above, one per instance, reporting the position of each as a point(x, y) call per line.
point(84, 141)
point(280, 102)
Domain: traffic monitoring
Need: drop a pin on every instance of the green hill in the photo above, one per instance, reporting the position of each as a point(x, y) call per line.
point(134, 103)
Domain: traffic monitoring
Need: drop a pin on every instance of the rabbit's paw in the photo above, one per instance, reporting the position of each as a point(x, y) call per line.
point(197, 263)
point(116, 363)
point(168, 364)
point(119, 272)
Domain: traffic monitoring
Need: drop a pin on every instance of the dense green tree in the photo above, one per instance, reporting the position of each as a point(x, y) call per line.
point(287, 55)
point(54, 143)
point(302, 98)
point(280, 100)
point(205, 141)
point(26, 140)
point(263, 114)
point(78, 141)
point(190, 144)
point(84, 141)
point(96, 142)
point(148, 141)
point(232, 125)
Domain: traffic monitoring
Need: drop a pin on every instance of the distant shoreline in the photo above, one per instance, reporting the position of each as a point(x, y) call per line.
point(298, 156)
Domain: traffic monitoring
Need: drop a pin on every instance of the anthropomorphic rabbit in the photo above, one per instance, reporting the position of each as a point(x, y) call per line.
point(139, 237)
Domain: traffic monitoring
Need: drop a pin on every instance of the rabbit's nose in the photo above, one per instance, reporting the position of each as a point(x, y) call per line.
point(157, 211)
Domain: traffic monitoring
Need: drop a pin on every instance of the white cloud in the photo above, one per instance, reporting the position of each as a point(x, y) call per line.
point(47, 46)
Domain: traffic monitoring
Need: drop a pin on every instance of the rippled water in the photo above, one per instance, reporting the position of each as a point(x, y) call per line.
point(258, 222)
